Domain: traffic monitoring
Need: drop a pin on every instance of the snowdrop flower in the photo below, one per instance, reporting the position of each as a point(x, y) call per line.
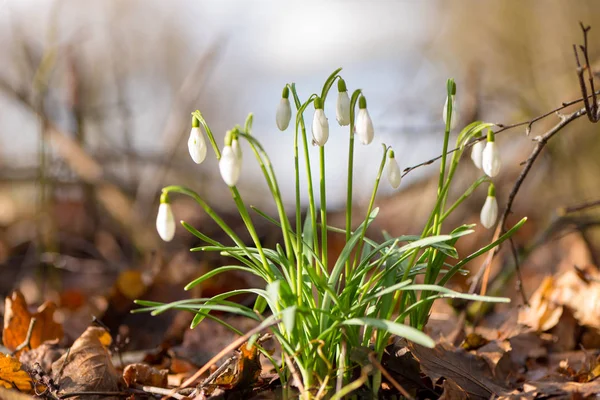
point(284, 110)
point(320, 125)
point(490, 159)
point(454, 119)
point(489, 212)
point(394, 175)
point(230, 164)
point(196, 142)
point(165, 221)
point(364, 124)
point(477, 151)
point(342, 111)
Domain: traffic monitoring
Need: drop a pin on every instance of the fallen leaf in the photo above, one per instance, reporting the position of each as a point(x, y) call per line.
point(143, 374)
point(88, 366)
point(7, 394)
point(17, 319)
point(468, 371)
point(242, 373)
point(12, 374)
point(577, 289)
point(452, 391)
point(44, 355)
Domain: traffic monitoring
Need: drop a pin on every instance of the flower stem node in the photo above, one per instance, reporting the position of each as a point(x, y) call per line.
point(320, 125)
point(230, 164)
point(165, 221)
point(477, 152)
point(490, 158)
point(364, 124)
point(284, 110)
point(394, 175)
point(489, 212)
point(342, 112)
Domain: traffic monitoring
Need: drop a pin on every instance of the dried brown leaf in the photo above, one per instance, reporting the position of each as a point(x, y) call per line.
point(468, 371)
point(89, 366)
point(143, 374)
point(17, 319)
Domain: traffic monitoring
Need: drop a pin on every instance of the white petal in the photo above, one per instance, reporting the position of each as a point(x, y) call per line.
point(477, 153)
point(284, 114)
point(454, 120)
point(489, 212)
point(320, 128)
point(237, 149)
point(490, 159)
point(230, 166)
point(165, 222)
point(393, 173)
point(197, 145)
point(342, 111)
point(364, 126)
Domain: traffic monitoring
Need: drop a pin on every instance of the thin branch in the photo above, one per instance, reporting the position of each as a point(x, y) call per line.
point(484, 270)
point(27, 341)
point(502, 128)
point(387, 375)
point(579, 207)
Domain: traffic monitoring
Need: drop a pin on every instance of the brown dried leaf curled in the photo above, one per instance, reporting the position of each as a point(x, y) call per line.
point(143, 374)
point(88, 367)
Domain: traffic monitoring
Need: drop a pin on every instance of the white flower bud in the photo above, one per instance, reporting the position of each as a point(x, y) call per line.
point(490, 159)
point(489, 212)
point(230, 166)
point(320, 128)
point(165, 222)
point(197, 145)
point(342, 111)
point(454, 119)
point(284, 114)
point(477, 153)
point(394, 175)
point(364, 124)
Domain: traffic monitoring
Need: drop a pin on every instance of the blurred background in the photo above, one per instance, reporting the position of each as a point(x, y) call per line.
point(95, 103)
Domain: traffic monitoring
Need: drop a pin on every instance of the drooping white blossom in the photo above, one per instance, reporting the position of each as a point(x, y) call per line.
point(394, 175)
point(490, 158)
point(197, 145)
point(477, 153)
point(489, 211)
point(320, 125)
point(284, 114)
point(165, 222)
point(364, 124)
point(230, 166)
point(342, 110)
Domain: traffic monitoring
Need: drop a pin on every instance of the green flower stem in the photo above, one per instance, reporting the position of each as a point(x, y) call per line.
point(235, 193)
point(349, 188)
point(359, 247)
point(323, 208)
point(267, 169)
point(311, 197)
point(215, 217)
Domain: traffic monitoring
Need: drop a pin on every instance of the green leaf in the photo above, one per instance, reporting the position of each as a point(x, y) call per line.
point(218, 271)
point(412, 334)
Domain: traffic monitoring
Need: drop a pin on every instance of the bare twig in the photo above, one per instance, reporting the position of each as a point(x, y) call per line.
point(387, 375)
point(579, 207)
point(503, 128)
point(591, 108)
point(27, 341)
point(232, 346)
point(483, 272)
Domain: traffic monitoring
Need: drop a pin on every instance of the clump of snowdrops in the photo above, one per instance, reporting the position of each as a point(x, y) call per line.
point(320, 309)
